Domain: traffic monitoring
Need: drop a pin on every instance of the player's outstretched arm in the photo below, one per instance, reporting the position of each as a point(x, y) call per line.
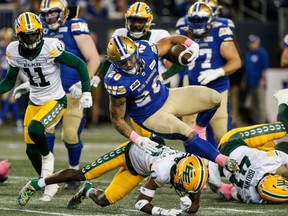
point(9, 81)
point(143, 202)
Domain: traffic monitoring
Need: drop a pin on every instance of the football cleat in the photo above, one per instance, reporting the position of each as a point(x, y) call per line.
point(78, 198)
point(50, 191)
point(231, 165)
point(27, 191)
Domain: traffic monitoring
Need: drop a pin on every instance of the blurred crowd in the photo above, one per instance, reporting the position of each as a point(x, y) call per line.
point(115, 9)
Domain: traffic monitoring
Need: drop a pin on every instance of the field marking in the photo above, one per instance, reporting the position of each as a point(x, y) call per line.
point(236, 210)
point(55, 213)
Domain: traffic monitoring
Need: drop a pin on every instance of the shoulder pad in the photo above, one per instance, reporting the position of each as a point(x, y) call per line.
point(115, 90)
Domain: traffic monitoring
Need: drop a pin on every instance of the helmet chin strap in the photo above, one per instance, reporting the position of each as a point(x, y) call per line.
point(136, 35)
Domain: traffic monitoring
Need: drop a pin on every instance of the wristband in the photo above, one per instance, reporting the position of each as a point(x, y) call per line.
point(156, 210)
point(134, 136)
point(188, 42)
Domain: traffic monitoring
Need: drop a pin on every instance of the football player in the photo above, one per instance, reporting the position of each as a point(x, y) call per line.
point(75, 35)
point(263, 173)
point(165, 166)
point(182, 23)
point(138, 22)
point(134, 88)
point(40, 59)
point(217, 59)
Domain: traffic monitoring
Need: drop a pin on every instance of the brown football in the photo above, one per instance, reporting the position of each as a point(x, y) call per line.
point(175, 52)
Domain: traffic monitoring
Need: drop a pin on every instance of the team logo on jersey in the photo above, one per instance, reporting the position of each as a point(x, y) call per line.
point(209, 39)
point(63, 29)
point(135, 85)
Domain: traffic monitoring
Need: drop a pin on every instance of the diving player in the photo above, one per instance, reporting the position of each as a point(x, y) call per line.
point(165, 166)
point(40, 59)
point(135, 89)
point(138, 21)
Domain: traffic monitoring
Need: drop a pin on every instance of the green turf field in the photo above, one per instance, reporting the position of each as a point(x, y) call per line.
point(96, 142)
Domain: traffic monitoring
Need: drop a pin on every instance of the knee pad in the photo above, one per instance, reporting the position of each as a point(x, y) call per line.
point(35, 130)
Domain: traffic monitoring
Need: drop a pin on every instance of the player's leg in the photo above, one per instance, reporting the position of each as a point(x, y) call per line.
point(220, 124)
point(73, 123)
point(122, 184)
point(145, 133)
point(48, 115)
point(109, 161)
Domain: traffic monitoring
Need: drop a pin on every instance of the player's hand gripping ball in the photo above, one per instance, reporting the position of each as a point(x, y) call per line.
point(179, 54)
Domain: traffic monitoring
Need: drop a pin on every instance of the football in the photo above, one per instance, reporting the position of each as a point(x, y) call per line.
point(177, 55)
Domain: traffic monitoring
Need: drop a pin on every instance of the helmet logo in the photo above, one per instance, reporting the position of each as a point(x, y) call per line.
point(187, 174)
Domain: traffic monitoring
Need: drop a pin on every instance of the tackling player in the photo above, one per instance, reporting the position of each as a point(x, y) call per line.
point(40, 59)
point(165, 166)
point(263, 173)
point(134, 88)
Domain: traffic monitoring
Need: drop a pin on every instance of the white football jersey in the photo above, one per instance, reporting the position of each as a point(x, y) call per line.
point(253, 164)
point(157, 165)
point(43, 73)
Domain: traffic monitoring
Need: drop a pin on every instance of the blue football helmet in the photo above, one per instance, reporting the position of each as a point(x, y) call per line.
point(199, 18)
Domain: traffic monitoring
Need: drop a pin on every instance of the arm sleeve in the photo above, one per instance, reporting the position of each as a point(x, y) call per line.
point(103, 69)
point(9, 81)
point(174, 69)
point(73, 61)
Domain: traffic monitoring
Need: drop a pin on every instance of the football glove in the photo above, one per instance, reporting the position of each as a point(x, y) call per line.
point(76, 90)
point(95, 81)
point(86, 100)
point(231, 165)
point(185, 203)
point(21, 90)
point(171, 212)
point(194, 49)
point(207, 76)
point(146, 144)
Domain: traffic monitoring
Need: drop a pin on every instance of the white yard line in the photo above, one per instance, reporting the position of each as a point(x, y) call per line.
point(55, 213)
point(237, 210)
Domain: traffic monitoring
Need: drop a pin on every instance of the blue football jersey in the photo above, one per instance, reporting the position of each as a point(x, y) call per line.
point(66, 33)
point(144, 91)
point(210, 57)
